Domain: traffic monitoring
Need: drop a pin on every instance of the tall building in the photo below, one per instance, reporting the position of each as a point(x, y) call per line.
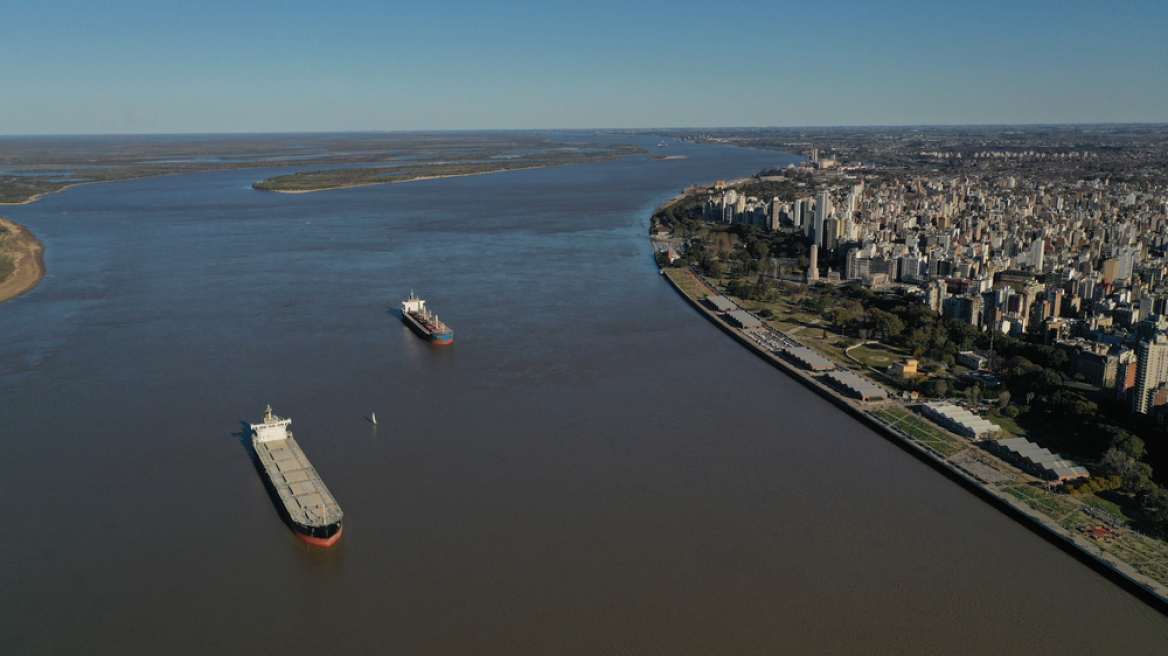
point(965, 308)
point(1111, 269)
point(910, 267)
point(1151, 372)
point(1125, 373)
point(1055, 298)
point(822, 212)
point(831, 231)
point(1127, 258)
point(935, 295)
point(855, 266)
point(813, 265)
point(1037, 254)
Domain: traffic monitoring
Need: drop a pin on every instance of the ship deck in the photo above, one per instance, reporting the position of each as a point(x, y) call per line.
point(304, 495)
point(440, 329)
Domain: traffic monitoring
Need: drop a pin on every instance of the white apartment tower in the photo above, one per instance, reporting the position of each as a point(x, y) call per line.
point(854, 199)
point(1151, 372)
point(1037, 254)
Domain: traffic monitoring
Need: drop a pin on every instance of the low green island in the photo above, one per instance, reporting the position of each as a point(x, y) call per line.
point(548, 154)
point(33, 167)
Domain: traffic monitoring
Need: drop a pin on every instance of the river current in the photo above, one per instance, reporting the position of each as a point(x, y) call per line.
point(591, 468)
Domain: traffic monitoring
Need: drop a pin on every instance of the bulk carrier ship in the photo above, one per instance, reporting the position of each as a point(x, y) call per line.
point(425, 324)
point(308, 505)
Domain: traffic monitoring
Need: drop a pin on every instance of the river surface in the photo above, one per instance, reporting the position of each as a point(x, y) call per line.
point(591, 468)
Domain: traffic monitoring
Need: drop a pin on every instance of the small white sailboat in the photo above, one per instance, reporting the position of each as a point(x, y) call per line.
point(373, 417)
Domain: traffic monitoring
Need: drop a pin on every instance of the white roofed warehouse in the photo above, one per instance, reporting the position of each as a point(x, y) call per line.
point(853, 385)
point(807, 358)
point(960, 421)
point(1030, 456)
point(743, 319)
point(720, 303)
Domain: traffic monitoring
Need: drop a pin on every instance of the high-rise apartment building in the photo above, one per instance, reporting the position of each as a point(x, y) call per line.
point(1151, 372)
point(822, 212)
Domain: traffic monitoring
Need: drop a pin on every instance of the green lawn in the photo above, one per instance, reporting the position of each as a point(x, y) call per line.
point(1040, 500)
point(829, 346)
point(783, 311)
point(688, 283)
point(922, 431)
point(1103, 504)
point(1009, 425)
point(877, 356)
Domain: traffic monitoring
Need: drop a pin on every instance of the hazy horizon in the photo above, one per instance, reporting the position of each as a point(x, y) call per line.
point(65, 135)
point(131, 67)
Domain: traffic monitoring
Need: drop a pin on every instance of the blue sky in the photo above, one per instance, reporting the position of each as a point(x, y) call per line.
point(122, 66)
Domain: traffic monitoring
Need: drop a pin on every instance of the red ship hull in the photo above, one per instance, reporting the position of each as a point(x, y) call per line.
point(321, 542)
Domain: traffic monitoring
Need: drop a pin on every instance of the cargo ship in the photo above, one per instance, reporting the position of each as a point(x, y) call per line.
point(425, 324)
point(308, 506)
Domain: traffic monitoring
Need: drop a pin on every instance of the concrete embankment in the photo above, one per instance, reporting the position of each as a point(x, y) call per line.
point(1148, 590)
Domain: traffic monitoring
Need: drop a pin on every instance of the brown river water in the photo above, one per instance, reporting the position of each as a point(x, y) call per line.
point(591, 468)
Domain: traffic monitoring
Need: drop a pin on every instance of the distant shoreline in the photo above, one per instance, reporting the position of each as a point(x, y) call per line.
point(427, 177)
point(36, 197)
point(28, 252)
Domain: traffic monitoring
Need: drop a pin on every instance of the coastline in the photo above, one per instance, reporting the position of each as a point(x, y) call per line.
point(374, 184)
point(1143, 587)
point(34, 198)
point(28, 254)
point(425, 177)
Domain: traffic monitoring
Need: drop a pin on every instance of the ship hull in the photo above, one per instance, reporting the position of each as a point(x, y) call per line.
point(303, 500)
point(316, 537)
point(438, 339)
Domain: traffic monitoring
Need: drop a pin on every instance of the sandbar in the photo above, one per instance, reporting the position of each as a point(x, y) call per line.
point(28, 254)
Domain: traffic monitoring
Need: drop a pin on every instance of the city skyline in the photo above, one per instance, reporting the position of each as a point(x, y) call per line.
point(133, 67)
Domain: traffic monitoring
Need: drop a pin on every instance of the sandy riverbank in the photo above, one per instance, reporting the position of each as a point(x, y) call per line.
point(28, 254)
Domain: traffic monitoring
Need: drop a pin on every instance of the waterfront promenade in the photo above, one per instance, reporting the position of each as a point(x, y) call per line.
point(1137, 562)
